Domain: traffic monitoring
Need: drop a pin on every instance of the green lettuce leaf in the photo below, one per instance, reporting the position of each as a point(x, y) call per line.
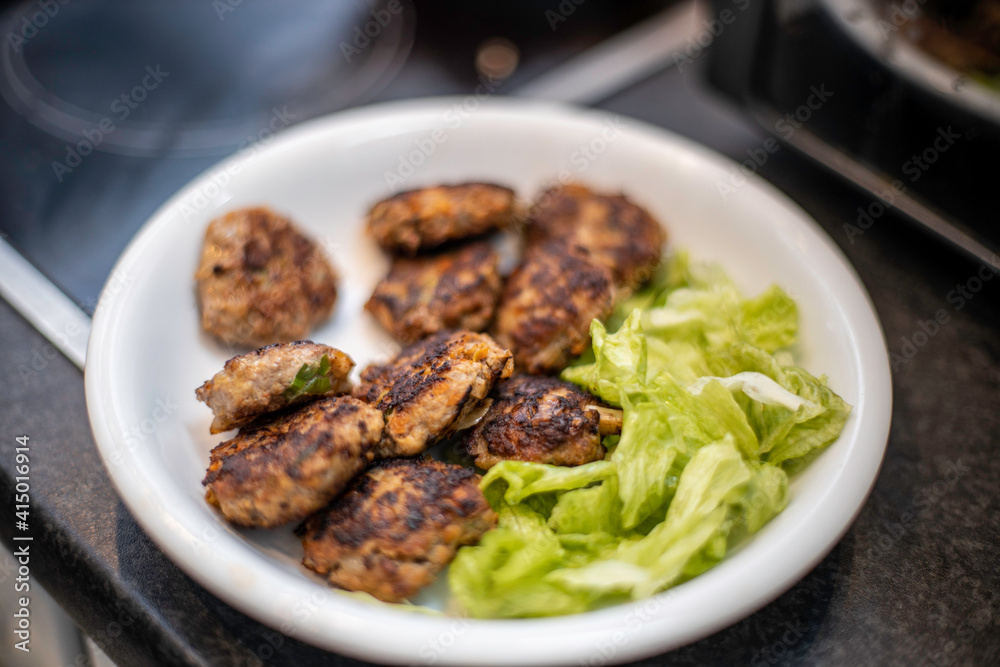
point(712, 425)
point(516, 480)
point(787, 434)
point(715, 478)
point(620, 361)
point(770, 321)
point(504, 576)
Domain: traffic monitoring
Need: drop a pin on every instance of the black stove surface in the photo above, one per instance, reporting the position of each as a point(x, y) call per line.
point(111, 106)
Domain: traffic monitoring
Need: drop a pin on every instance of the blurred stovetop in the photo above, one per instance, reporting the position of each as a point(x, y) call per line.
point(163, 90)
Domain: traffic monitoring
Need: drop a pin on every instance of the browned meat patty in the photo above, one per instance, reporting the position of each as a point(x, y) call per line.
point(548, 304)
point(261, 280)
point(455, 289)
point(397, 527)
point(272, 378)
point(426, 218)
point(618, 234)
point(431, 387)
point(539, 419)
point(284, 468)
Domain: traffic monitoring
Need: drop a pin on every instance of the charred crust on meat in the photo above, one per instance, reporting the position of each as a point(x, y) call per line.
point(456, 288)
point(540, 419)
point(430, 217)
point(548, 304)
point(284, 466)
point(430, 386)
point(620, 234)
point(396, 527)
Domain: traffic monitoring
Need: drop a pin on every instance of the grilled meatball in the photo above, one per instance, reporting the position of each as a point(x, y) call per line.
point(261, 280)
point(426, 218)
point(396, 527)
point(261, 381)
point(285, 467)
point(618, 234)
point(429, 389)
point(456, 289)
point(539, 419)
point(548, 303)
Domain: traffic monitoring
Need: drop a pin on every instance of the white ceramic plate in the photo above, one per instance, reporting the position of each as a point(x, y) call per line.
point(868, 25)
point(147, 355)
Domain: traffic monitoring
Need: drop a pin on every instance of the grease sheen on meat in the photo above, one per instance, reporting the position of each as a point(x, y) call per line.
point(256, 383)
point(618, 233)
point(285, 467)
point(397, 527)
point(539, 419)
point(426, 218)
point(261, 280)
point(431, 386)
point(454, 289)
point(548, 303)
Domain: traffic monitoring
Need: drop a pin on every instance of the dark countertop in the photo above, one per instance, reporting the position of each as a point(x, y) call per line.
point(914, 581)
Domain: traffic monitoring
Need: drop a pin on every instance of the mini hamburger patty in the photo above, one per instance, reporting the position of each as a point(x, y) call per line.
point(287, 466)
point(397, 527)
point(426, 218)
point(271, 379)
point(261, 280)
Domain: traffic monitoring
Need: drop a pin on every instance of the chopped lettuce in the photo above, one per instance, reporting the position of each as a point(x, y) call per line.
point(712, 423)
point(619, 361)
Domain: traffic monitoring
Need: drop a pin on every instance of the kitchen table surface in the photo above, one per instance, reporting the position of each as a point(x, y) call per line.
point(914, 580)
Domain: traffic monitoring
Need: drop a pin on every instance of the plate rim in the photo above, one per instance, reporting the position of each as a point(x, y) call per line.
point(859, 21)
point(537, 641)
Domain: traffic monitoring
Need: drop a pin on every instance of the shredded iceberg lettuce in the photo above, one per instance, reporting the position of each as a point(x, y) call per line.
point(711, 419)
